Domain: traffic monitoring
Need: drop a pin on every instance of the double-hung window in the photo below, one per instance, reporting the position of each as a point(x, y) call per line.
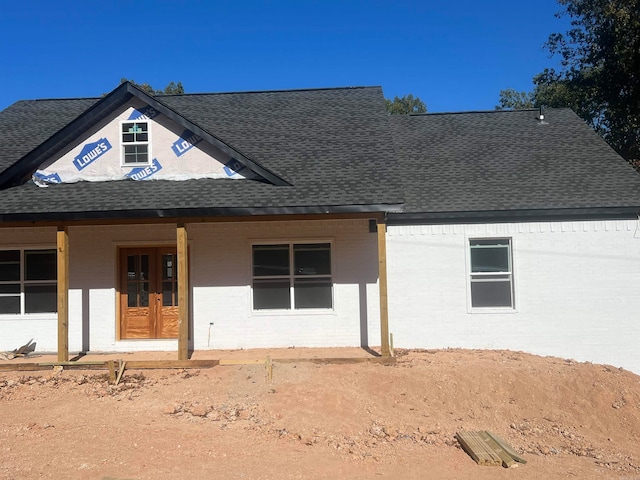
point(28, 281)
point(491, 273)
point(135, 143)
point(292, 276)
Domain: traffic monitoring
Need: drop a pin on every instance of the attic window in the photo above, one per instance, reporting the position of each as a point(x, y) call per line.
point(135, 143)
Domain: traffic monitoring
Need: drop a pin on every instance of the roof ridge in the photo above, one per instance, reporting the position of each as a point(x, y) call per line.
point(286, 90)
point(519, 110)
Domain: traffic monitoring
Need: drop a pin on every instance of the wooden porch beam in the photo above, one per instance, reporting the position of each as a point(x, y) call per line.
point(62, 241)
point(183, 292)
point(382, 278)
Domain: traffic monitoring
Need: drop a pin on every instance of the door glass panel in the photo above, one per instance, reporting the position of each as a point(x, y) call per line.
point(168, 266)
point(144, 267)
point(132, 294)
point(144, 294)
point(132, 267)
point(167, 294)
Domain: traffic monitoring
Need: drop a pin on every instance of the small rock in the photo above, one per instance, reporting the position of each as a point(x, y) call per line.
point(170, 409)
point(199, 411)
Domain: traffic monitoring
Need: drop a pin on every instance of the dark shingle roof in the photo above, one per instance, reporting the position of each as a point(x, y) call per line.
point(507, 161)
point(27, 123)
point(340, 152)
point(333, 145)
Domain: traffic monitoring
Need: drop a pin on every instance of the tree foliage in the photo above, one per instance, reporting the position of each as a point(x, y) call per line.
point(600, 71)
point(172, 88)
point(512, 99)
point(405, 105)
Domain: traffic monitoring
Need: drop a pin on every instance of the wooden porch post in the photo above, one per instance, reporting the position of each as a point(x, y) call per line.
point(183, 292)
point(62, 240)
point(382, 278)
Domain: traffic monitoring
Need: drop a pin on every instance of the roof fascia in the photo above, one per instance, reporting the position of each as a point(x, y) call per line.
point(49, 218)
point(512, 216)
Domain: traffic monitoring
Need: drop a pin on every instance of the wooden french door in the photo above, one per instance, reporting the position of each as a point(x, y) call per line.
point(148, 292)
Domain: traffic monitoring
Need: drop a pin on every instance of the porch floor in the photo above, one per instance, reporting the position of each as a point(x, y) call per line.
point(290, 354)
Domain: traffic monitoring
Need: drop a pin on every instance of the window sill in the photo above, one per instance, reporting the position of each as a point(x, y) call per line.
point(290, 313)
point(492, 310)
point(29, 316)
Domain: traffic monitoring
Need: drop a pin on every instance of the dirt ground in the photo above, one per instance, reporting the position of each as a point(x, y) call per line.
point(324, 421)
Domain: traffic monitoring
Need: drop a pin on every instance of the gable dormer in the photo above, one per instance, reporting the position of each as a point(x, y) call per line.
point(140, 143)
point(131, 135)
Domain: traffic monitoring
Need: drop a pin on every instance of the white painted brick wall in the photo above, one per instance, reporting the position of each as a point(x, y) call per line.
point(221, 281)
point(16, 330)
point(577, 290)
point(220, 274)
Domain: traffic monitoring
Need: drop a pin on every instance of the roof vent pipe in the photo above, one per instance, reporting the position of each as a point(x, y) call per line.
point(540, 115)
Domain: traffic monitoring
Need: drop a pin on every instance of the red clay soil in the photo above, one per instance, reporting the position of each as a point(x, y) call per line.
point(356, 421)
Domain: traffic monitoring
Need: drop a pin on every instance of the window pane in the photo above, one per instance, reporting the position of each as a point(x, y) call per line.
point(490, 255)
point(40, 298)
point(313, 293)
point(135, 154)
point(489, 293)
point(271, 294)
point(40, 265)
point(9, 265)
point(10, 288)
point(270, 260)
point(10, 304)
point(312, 259)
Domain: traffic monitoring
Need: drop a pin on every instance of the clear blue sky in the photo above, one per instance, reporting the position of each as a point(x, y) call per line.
point(454, 55)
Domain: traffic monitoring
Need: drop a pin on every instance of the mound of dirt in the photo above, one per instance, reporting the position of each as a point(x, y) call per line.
point(360, 420)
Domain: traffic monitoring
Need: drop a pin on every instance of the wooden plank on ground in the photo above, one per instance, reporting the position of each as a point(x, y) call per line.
point(507, 460)
point(476, 448)
point(239, 361)
point(144, 364)
point(23, 367)
point(507, 448)
point(120, 371)
point(111, 364)
point(339, 361)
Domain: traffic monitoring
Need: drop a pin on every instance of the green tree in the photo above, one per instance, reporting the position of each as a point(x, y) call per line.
point(172, 88)
point(405, 105)
point(599, 75)
point(512, 99)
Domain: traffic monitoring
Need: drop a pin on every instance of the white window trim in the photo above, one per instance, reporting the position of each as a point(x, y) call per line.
point(514, 299)
point(23, 282)
point(293, 311)
point(148, 143)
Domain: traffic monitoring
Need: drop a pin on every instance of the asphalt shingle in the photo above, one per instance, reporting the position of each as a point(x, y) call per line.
point(508, 160)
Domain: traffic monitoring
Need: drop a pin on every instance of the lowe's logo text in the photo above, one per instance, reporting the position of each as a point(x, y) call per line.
point(51, 178)
point(90, 153)
point(146, 113)
point(143, 173)
point(185, 143)
point(232, 167)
